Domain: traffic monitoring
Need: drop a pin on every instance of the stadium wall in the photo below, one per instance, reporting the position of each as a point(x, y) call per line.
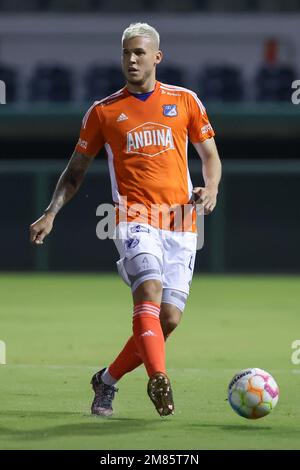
point(189, 40)
point(254, 228)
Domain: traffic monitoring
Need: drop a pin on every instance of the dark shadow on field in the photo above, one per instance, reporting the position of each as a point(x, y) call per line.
point(94, 427)
point(246, 427)
point(231, 427)
point(40, 414)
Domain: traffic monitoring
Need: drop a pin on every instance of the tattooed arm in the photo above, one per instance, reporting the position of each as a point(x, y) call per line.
point(67, 186)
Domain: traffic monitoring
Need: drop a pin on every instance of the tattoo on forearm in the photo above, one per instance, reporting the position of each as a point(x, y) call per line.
point(69, 182)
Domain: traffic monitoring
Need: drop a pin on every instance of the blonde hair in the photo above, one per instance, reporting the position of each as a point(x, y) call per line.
point(141, 29)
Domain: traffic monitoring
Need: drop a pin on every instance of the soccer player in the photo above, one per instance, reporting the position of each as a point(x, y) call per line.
point(145, 128)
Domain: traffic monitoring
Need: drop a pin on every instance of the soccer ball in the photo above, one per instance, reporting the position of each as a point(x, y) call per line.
point(253, 393)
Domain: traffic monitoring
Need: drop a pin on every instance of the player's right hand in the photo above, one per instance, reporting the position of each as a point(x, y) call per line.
point(206, 196)
point(41, 228)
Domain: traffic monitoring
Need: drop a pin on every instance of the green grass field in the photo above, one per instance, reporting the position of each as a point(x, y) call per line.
point(60, 329)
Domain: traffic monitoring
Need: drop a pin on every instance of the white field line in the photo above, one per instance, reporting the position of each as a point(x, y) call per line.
point(140, 369)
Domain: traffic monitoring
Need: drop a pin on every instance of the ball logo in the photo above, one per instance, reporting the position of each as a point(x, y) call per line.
point(150, 139)
point(237, 377)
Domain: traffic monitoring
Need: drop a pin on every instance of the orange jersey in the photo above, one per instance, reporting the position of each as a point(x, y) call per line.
point(146, 143)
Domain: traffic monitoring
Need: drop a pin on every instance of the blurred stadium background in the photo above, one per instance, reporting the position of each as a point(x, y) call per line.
point(56, 58)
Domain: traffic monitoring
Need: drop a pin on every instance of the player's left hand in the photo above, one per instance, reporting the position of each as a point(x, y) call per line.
point(206, 196)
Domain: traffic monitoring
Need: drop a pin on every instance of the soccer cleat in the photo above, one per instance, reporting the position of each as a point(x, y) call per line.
point(104, 395)
point(160, 393)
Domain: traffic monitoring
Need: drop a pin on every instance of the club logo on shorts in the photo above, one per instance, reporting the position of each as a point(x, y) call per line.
point(132, 242)
point(170, 110)
point(139, 228)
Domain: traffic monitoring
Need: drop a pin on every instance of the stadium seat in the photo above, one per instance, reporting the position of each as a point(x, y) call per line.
point(221, 83)
point(62, 6)
point(101, 81)
point(51, 83)
point(171, 74)
point(273, 82)
point(120, 6)
point(9, 76)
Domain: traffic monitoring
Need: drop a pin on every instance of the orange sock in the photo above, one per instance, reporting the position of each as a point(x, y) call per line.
point(149, 337)
point(128, 360)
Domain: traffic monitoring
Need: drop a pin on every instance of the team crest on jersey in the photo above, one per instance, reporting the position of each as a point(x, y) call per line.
point(170, 110)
